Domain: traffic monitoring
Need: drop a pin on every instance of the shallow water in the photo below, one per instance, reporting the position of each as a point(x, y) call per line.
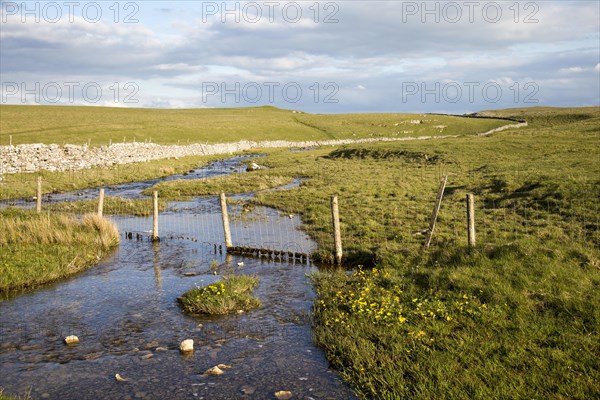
point(133, 190)
point(126, 315)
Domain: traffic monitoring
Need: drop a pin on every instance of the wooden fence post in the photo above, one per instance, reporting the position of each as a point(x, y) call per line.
point(337, 234)
point(38, 199)
point(101, 202)
point(471, 219)
point(436, 210)
point(225, 217)
point(155, 237)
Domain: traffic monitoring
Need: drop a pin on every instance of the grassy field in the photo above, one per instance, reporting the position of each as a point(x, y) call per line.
point(99, 125)
point(41, 248)
point(516, 317)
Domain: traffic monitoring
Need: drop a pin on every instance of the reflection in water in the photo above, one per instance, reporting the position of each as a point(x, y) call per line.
point(125, 313)
point(156, 263)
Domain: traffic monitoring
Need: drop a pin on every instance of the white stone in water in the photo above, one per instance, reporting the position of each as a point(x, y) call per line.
point(283, 395)
point(186, 346)
point(253, 167)
point(214, 371)
point(72, 339)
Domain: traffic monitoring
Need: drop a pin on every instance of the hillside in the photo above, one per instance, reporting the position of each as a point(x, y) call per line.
point(99, 125)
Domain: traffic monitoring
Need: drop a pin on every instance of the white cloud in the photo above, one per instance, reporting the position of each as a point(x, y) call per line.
point(575, 70)
point(375, 45)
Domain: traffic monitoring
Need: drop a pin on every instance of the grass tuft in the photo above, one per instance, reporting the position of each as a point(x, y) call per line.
point(41, 248)
point(227, 296)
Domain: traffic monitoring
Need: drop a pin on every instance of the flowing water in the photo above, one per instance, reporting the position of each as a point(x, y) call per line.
point(125, 313)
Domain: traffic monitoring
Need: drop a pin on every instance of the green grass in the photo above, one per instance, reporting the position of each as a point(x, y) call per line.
point(41, 248)
point(230, 295)
point(24, 185)
point(236, 183)
point(3, 396)
point(516, 317)
point(112, 206)
point(99, 125)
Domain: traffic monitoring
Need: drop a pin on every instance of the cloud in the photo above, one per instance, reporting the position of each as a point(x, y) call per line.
point(380, 45)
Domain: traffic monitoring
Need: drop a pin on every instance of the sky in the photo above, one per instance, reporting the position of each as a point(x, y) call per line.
point(316, 56)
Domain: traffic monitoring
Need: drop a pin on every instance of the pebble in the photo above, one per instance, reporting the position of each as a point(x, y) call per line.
point(283, 395)
point(187, 346)
point(214, 371)
point(72, 339)
point(248, 390)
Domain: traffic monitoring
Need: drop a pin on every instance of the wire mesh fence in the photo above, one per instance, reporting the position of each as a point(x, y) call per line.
point(365, 226)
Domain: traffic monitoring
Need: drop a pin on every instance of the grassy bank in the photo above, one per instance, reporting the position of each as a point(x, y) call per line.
point(99, 125)
point(41, 248)
point(24, 185)
point(236, 183)
point(516, 317)
point(230, 295)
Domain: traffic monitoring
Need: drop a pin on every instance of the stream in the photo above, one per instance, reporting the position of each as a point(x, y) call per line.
point(125, 313)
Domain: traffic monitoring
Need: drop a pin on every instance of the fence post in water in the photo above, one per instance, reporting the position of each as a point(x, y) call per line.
point(155, 237)
point(101, 202)
point(38, 199)
point(471, 219)
point(337, 234)
point(436, 210)
point(225, 217)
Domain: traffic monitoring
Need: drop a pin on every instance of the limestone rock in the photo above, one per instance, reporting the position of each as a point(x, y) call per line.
point(187, 346)
point(214, 371)
point(252, 167)
point(72, 339)
point(119, 378)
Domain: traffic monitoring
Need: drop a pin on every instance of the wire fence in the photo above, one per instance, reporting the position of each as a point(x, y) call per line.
point(365, 225)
